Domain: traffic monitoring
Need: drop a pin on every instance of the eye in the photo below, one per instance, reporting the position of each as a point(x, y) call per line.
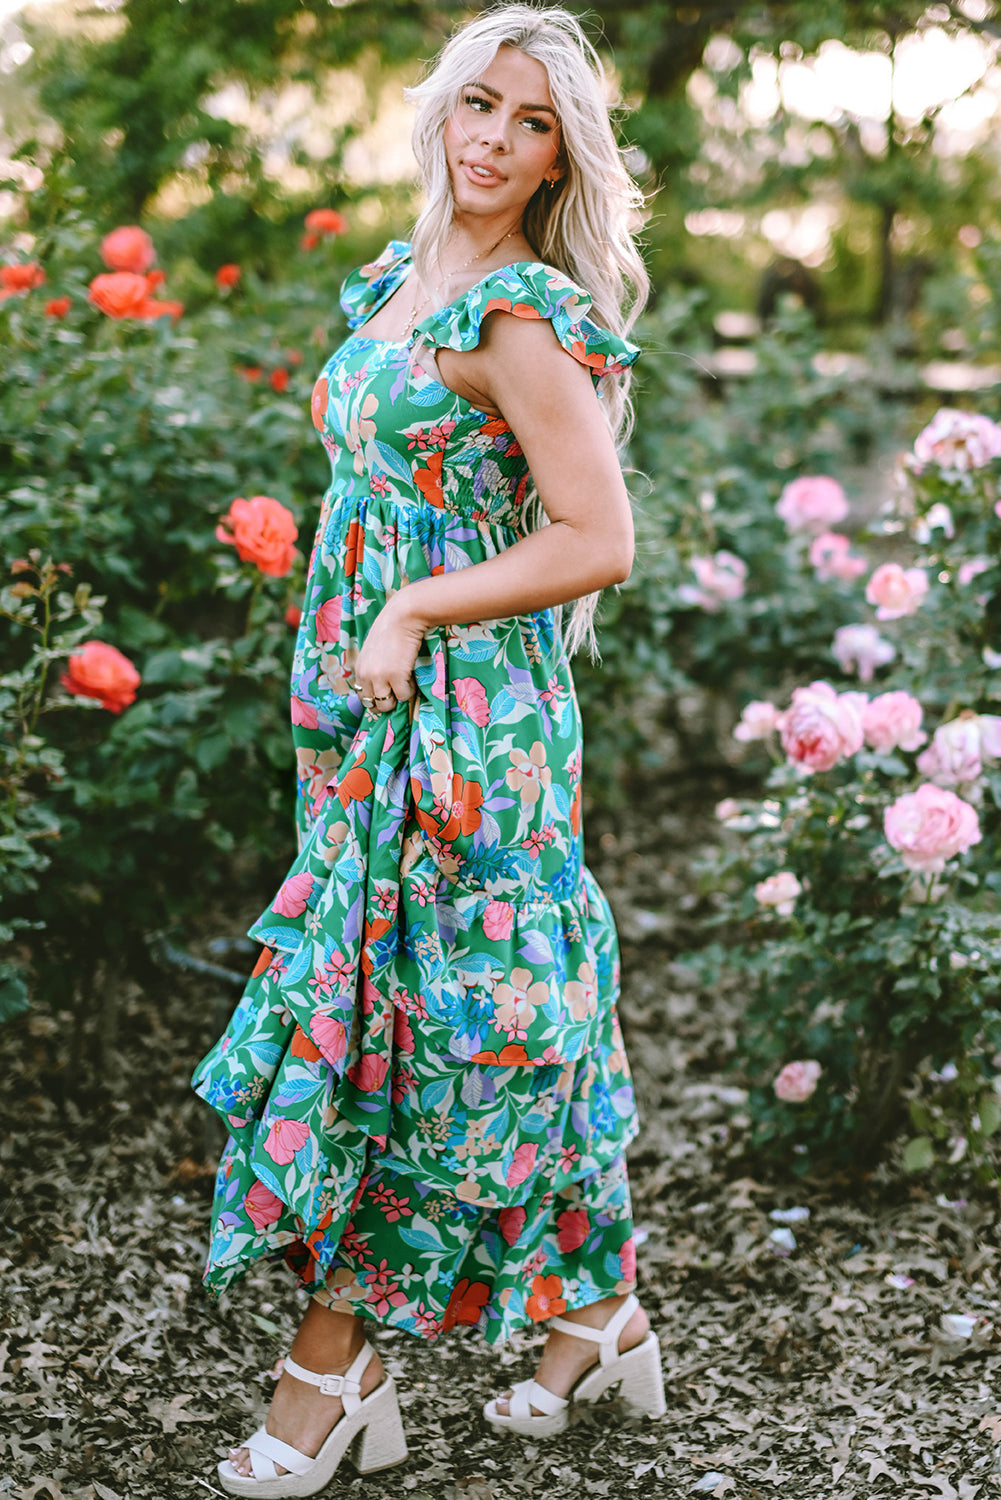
point(477, 102)
point(540, 127)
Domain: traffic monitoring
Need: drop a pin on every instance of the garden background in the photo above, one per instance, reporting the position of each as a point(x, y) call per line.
point(806, 878)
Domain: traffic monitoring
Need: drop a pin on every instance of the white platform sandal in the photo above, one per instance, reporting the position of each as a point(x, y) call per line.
point(637, 1371)
point(370, 1427)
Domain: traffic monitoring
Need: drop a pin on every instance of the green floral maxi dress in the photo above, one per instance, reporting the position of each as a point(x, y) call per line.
point(424, 1081)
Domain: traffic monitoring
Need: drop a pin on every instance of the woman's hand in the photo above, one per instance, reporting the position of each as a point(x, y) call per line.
point(383, 672)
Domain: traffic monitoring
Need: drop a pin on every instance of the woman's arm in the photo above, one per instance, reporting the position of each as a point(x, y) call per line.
point(548, 400)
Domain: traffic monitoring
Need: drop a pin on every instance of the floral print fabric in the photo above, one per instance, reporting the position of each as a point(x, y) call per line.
point(425, 1081)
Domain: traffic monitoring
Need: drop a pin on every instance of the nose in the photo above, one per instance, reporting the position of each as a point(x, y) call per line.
point(493, 136)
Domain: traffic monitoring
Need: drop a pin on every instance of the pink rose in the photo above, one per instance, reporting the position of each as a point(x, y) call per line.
point(929, 826)
point(471, 698)
point(727, 809)
point(627, 1260)
point(897, 591)
point(719, 579)
point(830, 554)
point(779, 891)
point(971, 569)
point(861, 647)
point(573, 1228)
point(328, 619)
point(292, 899)
point(954, 755)
point(957, 441)
point(821, 727)
point(813, 503)
point(330, 1035)
point(284, 1139)
point(261, 1206)
point(304, 713)
point(511, 1222)
point(758, 721)
point(498, 919)
point(892, 721)
point(523, 1164)
point(797, 1081)
point(369, 1072)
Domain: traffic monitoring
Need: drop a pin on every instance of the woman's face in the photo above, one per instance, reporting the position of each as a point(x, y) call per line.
point(504, 137)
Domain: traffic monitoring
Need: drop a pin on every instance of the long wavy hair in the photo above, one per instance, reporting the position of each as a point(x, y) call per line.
point(584, 225)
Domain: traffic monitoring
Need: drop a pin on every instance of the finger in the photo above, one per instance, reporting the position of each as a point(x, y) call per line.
point(385, 700)
point(403, 687)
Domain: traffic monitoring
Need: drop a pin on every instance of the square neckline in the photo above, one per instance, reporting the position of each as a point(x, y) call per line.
point(356, 333)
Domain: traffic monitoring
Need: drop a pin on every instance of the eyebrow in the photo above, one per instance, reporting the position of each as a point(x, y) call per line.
point(496, 94)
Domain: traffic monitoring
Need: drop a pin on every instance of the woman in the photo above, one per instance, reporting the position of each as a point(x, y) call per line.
point(425, 1081)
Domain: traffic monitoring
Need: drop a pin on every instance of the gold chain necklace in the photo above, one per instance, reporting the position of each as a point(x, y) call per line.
point(413, 319)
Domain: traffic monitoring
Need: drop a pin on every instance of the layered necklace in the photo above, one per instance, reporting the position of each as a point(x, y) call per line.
point(419, 307)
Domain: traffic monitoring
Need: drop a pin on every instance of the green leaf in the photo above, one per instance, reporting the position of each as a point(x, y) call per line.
point(919, 1154)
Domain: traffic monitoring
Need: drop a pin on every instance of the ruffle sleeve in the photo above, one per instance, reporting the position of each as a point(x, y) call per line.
point(366, 286)
point(531, 290)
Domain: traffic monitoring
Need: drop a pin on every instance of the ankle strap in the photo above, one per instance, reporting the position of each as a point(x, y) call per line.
point(348, 1384)
point(608, 1337)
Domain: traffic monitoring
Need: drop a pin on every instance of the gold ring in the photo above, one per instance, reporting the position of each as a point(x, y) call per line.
point(385, 697)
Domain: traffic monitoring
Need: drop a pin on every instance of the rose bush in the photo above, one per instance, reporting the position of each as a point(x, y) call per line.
point(863, 894)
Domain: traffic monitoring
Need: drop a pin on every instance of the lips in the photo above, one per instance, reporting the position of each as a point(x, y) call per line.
point(478, 171)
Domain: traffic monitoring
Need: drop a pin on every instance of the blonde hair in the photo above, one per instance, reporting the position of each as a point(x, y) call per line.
point(583, 226)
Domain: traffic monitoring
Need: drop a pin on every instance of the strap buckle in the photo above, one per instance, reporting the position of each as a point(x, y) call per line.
point(332, 1385)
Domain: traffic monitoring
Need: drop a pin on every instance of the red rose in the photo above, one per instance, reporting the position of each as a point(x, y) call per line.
point(325, 221)
point(22, 277)
point(99, 671)
point(293, 615)
point(309, 242)
point(128, 248)
point(250, 373)
point(227, 276)
point(263, 531)
point(155, 279)
point(58, 307)
point(120, 294)
point(279, 380)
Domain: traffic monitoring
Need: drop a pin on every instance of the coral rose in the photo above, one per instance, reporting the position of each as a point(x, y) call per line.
point(96, 670)
point(58, 307)
point(957, 441)
point(797, 1081)
point(861, 647)
point(758, 721)
point(830, 554)
point(821, 727)
point(128, 248)
point(325, 221)
point(21, 277)
point(719, 579)
point(120, 294)
point(779, 891)
point(929, 826)
point(892, 721)
point(228, 276)
point(278, 380)
point(263, 531)
point(813, 503)
point(897, 591)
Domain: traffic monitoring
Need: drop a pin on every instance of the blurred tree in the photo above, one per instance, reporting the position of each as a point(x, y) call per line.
point(138, 104)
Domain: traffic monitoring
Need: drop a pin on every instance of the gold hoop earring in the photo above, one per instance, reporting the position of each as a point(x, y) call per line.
point(551, 183)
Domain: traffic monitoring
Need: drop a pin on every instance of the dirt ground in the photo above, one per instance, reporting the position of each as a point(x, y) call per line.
point(829, 1370)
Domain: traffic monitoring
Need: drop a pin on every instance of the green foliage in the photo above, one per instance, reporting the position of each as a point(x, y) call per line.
point(121, 446)
point(882, 966)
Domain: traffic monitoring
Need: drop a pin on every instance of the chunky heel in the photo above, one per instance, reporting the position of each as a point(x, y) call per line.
point(370, 1433)
point(382, 1442)
point(637, 1373)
